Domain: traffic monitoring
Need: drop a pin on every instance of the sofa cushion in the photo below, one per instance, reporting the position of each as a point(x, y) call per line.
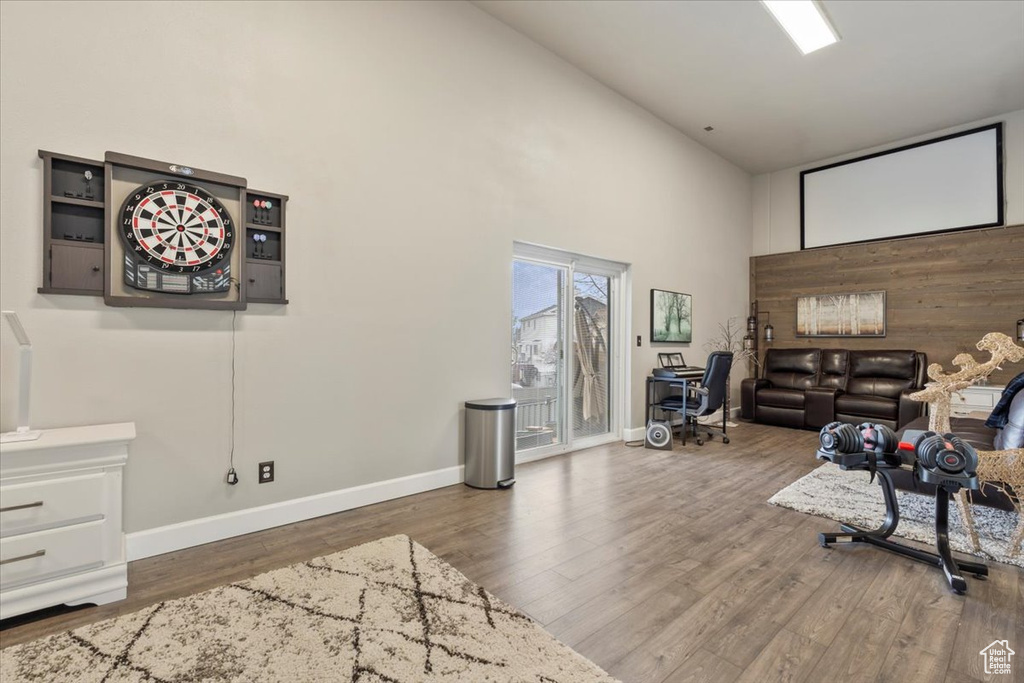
point(783, 417)
point(781, 398)
point(834, 364)
point(792, 368)
point(868, 407)
point(1012, 435)
point(881, 373)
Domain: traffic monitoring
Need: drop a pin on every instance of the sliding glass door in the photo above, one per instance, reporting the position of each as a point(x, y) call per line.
point(538, 369)
point(566, 364)
point(591, 355)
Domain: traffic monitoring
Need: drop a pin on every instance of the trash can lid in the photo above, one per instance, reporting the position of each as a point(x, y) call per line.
point(492, 404)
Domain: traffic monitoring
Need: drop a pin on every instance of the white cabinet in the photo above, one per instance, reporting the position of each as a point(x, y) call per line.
point(975, 399)
point(61, 536)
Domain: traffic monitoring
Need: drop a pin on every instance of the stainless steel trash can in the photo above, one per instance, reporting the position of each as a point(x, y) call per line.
point(491, 443)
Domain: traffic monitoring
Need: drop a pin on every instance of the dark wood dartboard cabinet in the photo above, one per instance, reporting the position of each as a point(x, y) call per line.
point(264, 257)
point(76, 220)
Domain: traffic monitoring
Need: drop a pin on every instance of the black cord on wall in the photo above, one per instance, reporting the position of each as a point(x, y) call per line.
point(232, 477)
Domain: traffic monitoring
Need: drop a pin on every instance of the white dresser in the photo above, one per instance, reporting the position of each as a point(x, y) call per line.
point(61, 536)
point(975, 398)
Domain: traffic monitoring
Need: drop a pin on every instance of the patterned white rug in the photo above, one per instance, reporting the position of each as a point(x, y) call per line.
point(384, 612)
point(852, 498)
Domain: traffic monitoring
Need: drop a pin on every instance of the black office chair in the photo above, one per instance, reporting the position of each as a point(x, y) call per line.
point(708, 396)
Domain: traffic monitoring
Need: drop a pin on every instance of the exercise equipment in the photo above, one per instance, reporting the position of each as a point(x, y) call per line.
point(842, 437)
point(878, 437)
point(946, 454)
point(945, 461)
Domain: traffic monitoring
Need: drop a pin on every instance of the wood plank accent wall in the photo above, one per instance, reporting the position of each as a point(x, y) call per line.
point(943, 292)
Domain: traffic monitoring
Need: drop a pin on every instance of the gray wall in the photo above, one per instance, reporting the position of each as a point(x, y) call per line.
point(417, 142)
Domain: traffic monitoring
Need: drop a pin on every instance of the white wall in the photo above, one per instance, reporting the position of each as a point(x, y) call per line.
point(417, 141)
point(776, 198)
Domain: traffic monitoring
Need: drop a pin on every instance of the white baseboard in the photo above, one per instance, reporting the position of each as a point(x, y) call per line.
point(194, 532)
point(634, 434)
point(717, 415)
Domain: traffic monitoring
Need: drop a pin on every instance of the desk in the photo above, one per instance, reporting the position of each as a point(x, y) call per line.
point(672, 383)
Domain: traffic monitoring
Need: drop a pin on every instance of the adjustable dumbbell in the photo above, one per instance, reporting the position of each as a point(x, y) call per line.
point(840, 437)
point(947, 452)
point(878, 438)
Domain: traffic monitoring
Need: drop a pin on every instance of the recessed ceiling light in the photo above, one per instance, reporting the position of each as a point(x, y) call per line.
point(804, 22)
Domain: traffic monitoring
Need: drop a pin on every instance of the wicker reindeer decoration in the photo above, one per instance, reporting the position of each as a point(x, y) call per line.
point(1001, 469)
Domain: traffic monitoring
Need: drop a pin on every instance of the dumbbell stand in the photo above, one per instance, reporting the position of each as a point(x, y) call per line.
point(880, 536)
point(854, 534)
point(946, 561)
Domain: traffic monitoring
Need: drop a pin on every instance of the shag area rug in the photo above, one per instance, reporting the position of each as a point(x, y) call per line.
point(384, 612)
point(851, 497)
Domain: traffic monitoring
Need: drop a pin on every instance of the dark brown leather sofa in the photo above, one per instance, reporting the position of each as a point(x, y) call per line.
point(808, 388)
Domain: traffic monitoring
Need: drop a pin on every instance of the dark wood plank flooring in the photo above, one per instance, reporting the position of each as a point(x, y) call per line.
point(658, 566)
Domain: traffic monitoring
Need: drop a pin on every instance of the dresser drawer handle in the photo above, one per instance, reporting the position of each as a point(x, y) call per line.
point(38, 553)
point(37, 504)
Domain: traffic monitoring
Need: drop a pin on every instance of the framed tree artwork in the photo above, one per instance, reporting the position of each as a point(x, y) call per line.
point(841, 315)
point(671, 317)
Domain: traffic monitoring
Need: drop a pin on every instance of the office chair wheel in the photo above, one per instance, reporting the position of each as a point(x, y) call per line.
point(725, 439)
point(700, 442)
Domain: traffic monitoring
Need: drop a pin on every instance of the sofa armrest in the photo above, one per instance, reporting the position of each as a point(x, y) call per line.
point(909, 409)
point(748, 388)
point(820, 406)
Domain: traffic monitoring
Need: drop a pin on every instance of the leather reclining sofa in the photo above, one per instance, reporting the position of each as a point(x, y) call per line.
point(808, 388)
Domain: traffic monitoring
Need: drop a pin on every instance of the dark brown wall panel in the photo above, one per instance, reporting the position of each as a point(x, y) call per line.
point(943, 292)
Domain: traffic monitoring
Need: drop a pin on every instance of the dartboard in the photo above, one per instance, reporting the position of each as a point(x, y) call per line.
point(177, 227)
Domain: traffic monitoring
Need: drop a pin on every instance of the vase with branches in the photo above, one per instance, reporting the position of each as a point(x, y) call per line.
point(730, 338)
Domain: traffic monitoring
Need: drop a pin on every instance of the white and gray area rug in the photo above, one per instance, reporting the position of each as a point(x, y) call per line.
point(384, 612)
point(852, 498)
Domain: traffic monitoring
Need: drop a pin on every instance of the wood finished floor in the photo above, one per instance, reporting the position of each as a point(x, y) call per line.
point(658, 566)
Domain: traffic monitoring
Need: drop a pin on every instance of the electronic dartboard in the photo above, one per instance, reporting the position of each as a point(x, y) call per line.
point(177, 238)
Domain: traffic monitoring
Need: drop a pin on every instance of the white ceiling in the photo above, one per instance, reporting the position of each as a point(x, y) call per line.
point(902, 68)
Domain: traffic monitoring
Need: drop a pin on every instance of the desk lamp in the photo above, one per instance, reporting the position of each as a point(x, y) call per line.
point(22, 433)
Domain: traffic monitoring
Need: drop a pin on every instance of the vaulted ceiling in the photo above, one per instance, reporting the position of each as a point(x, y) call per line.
point(902, 68)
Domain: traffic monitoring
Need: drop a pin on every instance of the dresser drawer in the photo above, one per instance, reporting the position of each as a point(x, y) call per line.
point(46, 504)
point(974, 399)
point(46, 554)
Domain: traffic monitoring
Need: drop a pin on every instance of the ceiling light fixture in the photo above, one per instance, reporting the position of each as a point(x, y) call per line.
point(804, 22)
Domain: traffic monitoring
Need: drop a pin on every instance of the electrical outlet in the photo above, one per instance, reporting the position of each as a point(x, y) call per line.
point(266, 472)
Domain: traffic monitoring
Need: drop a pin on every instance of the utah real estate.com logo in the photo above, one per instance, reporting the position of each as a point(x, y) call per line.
point(997, 657)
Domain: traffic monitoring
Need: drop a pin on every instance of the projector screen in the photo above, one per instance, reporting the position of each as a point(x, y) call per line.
point(950, 183)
